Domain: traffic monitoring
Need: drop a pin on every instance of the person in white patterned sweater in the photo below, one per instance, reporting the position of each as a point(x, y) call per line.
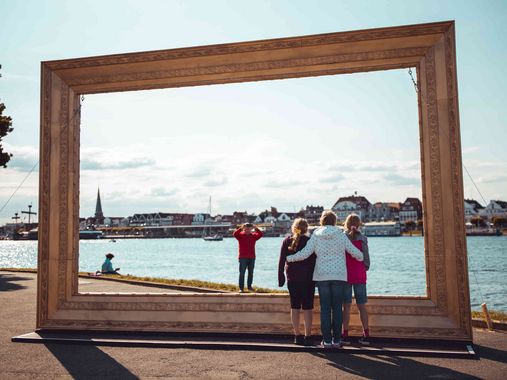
point(330, 245)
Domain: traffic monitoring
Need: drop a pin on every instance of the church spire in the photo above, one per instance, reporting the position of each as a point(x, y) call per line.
point(99, 216)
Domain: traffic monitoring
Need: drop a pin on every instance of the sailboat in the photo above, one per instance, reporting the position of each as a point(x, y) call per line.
point(209, 236)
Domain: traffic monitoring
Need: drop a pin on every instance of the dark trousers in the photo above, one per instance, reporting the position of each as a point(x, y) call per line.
point(245, 264)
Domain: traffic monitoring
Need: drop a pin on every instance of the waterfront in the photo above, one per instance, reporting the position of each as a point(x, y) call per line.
point(397, 263)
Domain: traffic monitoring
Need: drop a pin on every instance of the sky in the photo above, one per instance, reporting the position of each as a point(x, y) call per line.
point(283, 143)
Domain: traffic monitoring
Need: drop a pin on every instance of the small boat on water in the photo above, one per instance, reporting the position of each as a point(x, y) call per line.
point(213, 238)
point(208, 236)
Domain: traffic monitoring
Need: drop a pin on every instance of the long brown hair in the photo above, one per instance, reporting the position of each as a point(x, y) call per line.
point(299, 228)
point(352, 224)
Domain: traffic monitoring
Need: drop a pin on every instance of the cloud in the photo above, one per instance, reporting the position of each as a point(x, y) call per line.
point(492, 179)
point(199, 172)
point(400, 180)
point(216, 181)
point(500, 165)
point(19, 77)
point(333, 178)
point(163, 192)
point(364, 166)
point(470, 149)
point(133, 163)
point(286, 183)
point(369, 166)
point(23, 157)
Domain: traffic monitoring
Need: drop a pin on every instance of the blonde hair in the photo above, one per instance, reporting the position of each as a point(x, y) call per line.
point(299, 228)
point(328, 218)
point(353, 220)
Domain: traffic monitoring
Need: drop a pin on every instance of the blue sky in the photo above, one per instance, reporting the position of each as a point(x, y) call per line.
point(252, 145)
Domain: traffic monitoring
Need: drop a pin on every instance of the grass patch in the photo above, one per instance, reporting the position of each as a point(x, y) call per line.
point(192, 283)
point(499, 316)
point(25, 270)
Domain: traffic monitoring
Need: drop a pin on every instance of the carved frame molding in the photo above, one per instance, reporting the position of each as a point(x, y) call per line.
point(443, 314)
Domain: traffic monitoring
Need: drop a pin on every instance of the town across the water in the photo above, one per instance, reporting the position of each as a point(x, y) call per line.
point(379, 219)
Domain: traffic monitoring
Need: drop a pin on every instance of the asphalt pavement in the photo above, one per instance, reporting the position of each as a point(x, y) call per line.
point(50, 361)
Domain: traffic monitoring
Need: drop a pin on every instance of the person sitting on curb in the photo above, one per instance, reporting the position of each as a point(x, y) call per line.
point(107, 266)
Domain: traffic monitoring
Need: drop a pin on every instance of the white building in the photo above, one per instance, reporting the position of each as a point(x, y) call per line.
point(382, 229)
point(353, 204)
point(411, 210)
point(494, 208)
point(200, 219)
point(115, 221)
point(472, 209)
point(151, 219)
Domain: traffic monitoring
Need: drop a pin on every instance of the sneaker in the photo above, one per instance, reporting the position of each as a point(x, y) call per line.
point(241, 291)
point(326, 344)
point(299, 340)
point(308, 341)
point(364, 341)
point(337, 344)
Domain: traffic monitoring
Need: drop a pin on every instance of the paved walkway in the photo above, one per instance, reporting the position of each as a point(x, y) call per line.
point(20, 361)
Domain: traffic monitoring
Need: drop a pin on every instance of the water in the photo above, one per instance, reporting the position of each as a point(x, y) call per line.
point(397, 264)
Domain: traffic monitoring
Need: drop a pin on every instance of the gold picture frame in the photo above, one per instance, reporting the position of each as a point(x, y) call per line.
point(443, 314)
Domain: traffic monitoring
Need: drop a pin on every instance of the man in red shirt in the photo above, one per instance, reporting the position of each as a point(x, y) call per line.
point(247, 235)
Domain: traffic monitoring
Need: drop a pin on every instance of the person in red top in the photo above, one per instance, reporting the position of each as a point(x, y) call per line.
point(356, 280)
point(247, 235)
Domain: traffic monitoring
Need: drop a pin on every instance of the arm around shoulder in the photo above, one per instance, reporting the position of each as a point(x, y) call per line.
point(366, 253)
point(352, 249)
point(304, 253)
point(281, 263)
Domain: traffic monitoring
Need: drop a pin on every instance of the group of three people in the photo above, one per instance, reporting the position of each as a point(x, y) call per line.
point(335, 261)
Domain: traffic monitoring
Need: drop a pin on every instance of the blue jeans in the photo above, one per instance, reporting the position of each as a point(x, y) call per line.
point(359, 293)
point(245, 264)
point(331, 294)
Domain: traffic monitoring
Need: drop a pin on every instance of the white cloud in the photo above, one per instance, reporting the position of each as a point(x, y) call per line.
point(132, 163)
point(400, 180)
point(333, 178)
point(219, 181)
point(163, 192)
point(23, 157)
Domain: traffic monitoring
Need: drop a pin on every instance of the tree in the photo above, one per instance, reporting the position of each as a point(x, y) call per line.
point(499, 221)
point(5, 127)
point(477, 221)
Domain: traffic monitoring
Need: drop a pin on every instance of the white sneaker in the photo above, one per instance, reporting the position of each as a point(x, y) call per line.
point(364, 341)
point(326, 345)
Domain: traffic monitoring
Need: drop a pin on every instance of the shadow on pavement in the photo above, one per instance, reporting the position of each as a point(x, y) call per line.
point(389, 367)
point(491, 353)
point(87, 362)
point(8, 282)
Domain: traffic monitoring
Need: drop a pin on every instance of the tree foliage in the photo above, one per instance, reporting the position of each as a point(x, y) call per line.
point(477, 221)
point(499, 221)
point(5, 128)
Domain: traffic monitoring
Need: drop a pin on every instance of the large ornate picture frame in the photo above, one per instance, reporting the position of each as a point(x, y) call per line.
point(444, 313)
